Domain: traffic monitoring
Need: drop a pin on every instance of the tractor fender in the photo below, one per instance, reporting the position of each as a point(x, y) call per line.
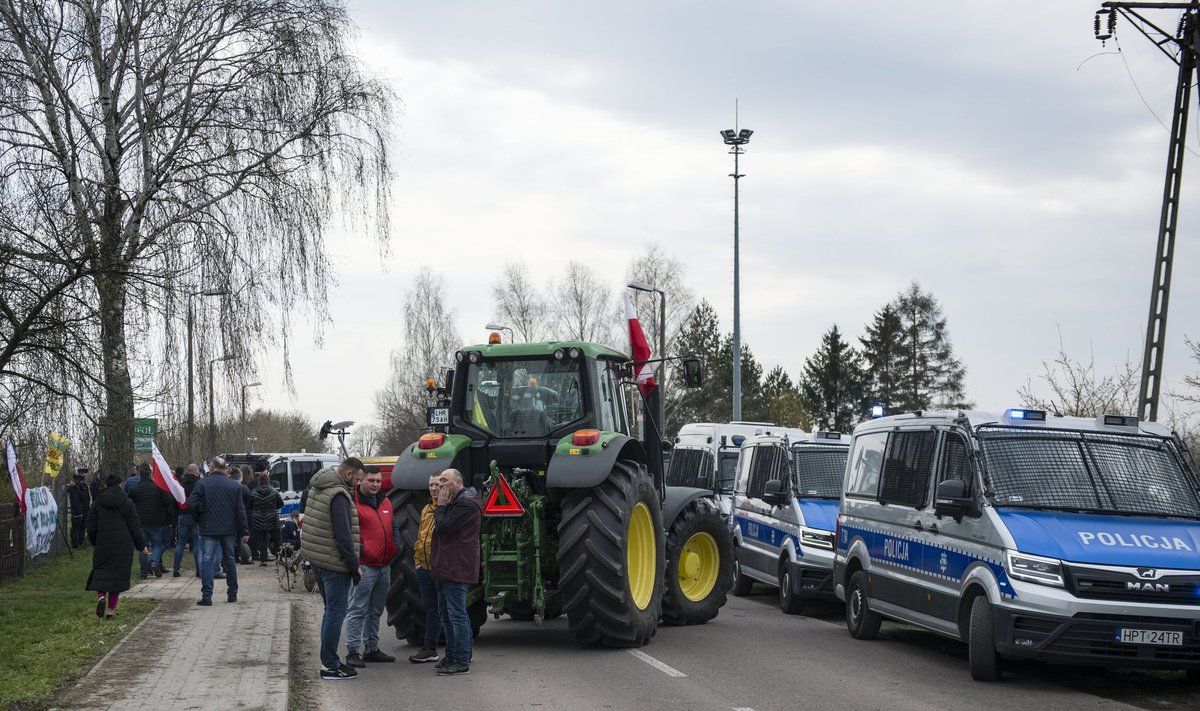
point(414, 467)
point(574, 467)
point(678, 497)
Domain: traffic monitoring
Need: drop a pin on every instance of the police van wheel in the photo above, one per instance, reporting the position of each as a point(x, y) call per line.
point(861, 620)
point(699, 565)
point(741, 584)
point(981, 642)
point(789, 601)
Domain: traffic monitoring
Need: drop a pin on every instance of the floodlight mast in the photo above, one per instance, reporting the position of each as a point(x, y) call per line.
point(736, 139)
point(1187, 40)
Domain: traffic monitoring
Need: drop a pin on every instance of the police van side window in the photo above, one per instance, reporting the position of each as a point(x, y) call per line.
point(302, 473)
point(279, 478)
point(707, 470)
point(866, 461)
point(955, 464)
point(907, 465)
point(762, 466)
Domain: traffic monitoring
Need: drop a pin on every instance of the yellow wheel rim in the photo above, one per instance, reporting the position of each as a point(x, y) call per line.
point(699, 563)
point(640, 556)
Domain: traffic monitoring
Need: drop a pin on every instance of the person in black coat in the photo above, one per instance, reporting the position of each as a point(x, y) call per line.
point(156, 512)
point(114, 531)
point(79, 498)
point(265, 502)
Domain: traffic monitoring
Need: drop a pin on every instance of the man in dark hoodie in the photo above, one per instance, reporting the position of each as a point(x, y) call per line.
point(187, 531)
point(265, 502)
point(330, 543)
point(155, 510)
point(454, 562)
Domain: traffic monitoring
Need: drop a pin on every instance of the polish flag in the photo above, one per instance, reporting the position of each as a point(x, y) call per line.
point(163, 477)
point(643, 373)
point(14, 471)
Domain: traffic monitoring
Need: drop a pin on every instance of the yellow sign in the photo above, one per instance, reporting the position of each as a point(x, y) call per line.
point(56, 447)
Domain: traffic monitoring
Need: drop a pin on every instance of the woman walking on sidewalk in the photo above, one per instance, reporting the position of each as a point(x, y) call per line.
point(114, 531)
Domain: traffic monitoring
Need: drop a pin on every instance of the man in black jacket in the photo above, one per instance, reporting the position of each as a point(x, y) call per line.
point(156, 512)
point(216, 502)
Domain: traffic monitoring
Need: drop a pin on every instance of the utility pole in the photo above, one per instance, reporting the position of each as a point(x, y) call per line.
point(736, 138)
point(1180, 47)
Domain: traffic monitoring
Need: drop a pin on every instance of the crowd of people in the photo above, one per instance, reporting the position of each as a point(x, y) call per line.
point(348, 534)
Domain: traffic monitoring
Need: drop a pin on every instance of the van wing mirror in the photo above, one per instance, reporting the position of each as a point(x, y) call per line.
point(693, 372)
point(773, 493)
point(953, 499)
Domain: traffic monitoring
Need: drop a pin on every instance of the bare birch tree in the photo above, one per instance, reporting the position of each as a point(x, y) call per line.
point(430, 341)
point(579, 305)
point(1075, 388)
point(187, 143)
point(519, 305)
point(663, 271)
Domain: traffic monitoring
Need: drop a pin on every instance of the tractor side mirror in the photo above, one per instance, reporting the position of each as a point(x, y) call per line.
point(448, 381)
point(693, 373)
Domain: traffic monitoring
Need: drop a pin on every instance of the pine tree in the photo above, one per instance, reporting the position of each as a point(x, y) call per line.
point(881, 358)
point(929, 373)
point(833, 383)
point(700, 337)
point(785, 404)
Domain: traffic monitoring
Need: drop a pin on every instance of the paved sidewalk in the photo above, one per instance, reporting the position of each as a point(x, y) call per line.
point(182, 656)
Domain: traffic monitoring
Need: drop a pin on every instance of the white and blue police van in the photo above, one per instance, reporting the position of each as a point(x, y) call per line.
point(1058, 539)
point(705, 455)
point(785, 505)
point(290, 472)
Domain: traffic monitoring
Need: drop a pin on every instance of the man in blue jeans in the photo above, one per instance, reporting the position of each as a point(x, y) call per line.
point(187, 531)
point(330, 543)
point(216, 503)
point(454, 562)
point(155, 511)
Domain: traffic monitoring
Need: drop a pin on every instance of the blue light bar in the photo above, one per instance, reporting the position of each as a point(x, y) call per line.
point(876, 411)
point(1017, 413)
point(737, 440)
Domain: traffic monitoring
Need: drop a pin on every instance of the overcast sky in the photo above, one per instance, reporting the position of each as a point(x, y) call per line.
point(958, 144)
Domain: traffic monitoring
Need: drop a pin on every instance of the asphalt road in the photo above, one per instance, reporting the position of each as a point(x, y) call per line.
point(751, 657)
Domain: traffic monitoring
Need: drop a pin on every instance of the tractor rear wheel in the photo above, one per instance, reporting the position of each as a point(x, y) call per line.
point(404, 610)
point(699, 565)
point(611, 557)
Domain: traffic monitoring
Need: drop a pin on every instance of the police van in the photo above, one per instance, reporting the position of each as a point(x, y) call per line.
point(1058, 539)
point(290, 472)
point(785, 503)
point(705, 456)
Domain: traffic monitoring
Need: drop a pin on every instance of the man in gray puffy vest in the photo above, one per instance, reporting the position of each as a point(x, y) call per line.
point(330, 544)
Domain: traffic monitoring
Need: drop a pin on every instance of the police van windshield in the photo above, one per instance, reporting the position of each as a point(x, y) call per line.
point(523, 398)
point(1134, 475)
point(819, 470)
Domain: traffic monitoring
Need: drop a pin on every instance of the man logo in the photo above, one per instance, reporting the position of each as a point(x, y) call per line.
point(1147, 573)
point(1147, 587)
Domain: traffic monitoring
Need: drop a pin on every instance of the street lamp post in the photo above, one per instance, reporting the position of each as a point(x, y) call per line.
point(512, 338)
point(736, 139)
point(191, 412)
point(212, 420)
point(247, 385)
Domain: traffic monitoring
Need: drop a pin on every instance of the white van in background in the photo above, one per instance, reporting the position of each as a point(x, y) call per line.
point(705, 456)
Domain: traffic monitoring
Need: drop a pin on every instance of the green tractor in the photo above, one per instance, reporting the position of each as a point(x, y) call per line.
point(577, 520)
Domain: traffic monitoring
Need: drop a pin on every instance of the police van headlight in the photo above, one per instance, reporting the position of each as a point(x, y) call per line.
point(816, 538)
point(1035, 569)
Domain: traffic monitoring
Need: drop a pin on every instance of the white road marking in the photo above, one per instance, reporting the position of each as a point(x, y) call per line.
point(742, 708)
point(661, 666)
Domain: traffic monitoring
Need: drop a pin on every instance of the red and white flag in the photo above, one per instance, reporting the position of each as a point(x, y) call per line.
point(14, 472)
point(643, 374)
point(163, 477)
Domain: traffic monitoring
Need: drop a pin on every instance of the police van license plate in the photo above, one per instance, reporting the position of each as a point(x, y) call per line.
point(1160, 637)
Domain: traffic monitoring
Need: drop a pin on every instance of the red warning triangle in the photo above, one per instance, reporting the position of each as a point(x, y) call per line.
point(501, 501)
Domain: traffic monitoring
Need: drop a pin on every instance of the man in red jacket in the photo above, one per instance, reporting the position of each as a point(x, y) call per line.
point(454, 562)
point(379, 535)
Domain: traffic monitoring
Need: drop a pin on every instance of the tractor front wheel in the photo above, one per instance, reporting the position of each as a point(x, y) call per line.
point(699, 565)
point(404, 610)
point(611, 558)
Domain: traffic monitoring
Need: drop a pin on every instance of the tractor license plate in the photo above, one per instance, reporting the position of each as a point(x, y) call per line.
point(439, 415)
point(1164, 638)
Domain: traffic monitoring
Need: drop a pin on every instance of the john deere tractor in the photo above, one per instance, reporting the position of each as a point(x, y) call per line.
point(576, 519)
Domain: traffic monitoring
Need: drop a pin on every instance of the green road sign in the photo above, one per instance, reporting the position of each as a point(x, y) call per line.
point(144, 431)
